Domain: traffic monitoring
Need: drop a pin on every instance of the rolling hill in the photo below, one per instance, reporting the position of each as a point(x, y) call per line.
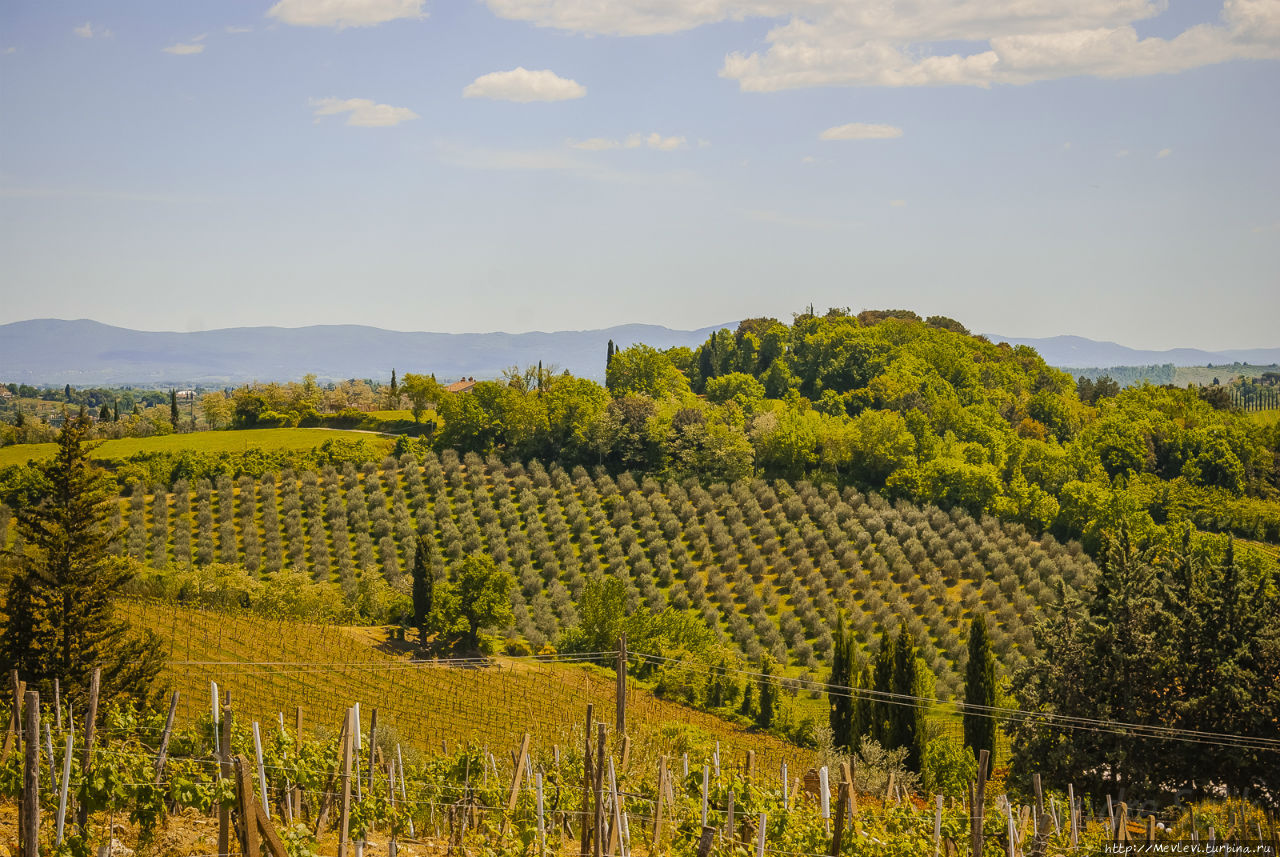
point(768, 564)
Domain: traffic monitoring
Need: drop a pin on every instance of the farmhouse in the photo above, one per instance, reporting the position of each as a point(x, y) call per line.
point(462, 386)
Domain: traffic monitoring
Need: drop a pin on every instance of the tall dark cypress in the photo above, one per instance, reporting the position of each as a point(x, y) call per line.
point(980, 690)
point(173, 408)
point(839, 694)
point(907, 724)
point(423, 586)
point(768, 702)
point(863, 706)
point(882, 684)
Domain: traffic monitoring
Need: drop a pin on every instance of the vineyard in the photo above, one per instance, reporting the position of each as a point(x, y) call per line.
point(275, 665)
point(240, 783)
point(768, 564)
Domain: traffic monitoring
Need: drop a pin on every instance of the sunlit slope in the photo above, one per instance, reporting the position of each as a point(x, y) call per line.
point(769, 564)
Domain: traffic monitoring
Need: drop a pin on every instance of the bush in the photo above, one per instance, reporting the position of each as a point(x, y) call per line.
point(948, 767)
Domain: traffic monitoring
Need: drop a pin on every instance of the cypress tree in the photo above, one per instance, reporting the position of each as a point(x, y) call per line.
point(841, 700)
point(980, 690)
point(423, 586)
point(768, 694)
point(863, 706)
point(706, 361)
point(882, 684)
point(907, 724)
point(748, 703)
point(173, 407)
point(59, 622)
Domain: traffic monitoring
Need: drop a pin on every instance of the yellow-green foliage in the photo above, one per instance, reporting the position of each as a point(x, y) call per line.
point(113, 451)
point(272, 665)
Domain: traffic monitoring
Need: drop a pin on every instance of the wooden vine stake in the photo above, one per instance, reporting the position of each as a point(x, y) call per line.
point(30, 827)
point(344, 819)
point(837, 835)
point(225, 772)
point(937, 825)
point(622, 685)
point(846, 771)
point(164, 738)
point(62, 787)
point(82, 815)
point(516, 776)
point(586, 783)
point(659, 802)
point(254, 828)
point(979, 801)
point(599, 789)
point(1071, 810)
point(1041, 841)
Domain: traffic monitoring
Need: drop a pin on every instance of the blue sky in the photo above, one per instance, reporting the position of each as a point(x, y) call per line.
point(1105, 168)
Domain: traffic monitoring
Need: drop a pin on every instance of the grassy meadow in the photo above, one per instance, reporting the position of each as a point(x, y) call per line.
point(268, 439)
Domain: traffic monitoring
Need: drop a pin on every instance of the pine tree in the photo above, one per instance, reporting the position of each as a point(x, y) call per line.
point(980, 690)
point(423, 585)
point(842, 676)
point(59, 621)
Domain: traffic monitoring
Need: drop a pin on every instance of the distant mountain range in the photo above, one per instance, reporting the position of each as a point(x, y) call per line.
point(86, 353)
point(1078, 352)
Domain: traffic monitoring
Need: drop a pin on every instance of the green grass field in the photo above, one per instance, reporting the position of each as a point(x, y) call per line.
point(1264, 418)
point(202, 441)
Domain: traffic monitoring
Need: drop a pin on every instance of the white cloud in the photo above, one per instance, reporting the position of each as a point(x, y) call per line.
point(521, 84)
point(362, 112)
point(898, 203)
point(86, 31)
point(345, 13)
point(886, 43)
point(1164, 153)
point(633, 141)
point(1066, 146)
point(861, 131)
point(183, 49)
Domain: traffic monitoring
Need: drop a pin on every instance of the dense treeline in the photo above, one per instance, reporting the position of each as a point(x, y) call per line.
point(884, 401)
point(1178, 633)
